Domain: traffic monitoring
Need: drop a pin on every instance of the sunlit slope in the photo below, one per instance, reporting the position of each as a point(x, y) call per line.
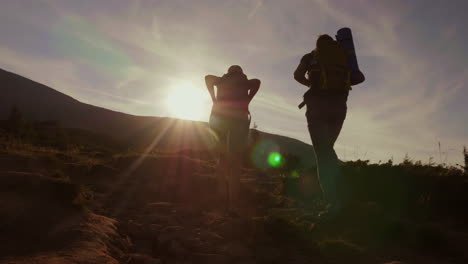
point(38, 102)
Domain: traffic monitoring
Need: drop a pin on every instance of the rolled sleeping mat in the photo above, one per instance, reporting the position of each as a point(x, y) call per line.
point(345, 39)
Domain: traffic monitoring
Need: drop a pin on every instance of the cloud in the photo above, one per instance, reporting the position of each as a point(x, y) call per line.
point(63, 75)
point(258, 4)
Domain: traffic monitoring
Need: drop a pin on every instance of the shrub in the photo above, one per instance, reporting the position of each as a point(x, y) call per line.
point(465, 156)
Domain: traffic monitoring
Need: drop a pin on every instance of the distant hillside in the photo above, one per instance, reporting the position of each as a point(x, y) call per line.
point(38, 102)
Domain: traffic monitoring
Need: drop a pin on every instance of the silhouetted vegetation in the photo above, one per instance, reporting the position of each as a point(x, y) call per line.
point(14, 123)
point(410, 188)
point(465, 156)
point(389, 206)
point(52, 134)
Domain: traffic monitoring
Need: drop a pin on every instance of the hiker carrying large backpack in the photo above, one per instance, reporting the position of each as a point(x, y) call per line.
point(327, 73)
point(230, 120)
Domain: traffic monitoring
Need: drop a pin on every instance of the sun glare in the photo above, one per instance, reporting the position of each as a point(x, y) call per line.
point(187, 102)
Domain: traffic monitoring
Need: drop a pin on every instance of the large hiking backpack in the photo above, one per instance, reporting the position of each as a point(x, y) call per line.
point(330, 63)
point(344, 36)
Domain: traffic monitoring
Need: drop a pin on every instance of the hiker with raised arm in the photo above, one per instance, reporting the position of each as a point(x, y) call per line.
point(329, 71)
point(230, 120)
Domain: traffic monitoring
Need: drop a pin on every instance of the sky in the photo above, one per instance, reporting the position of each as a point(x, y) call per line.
point(130, 56)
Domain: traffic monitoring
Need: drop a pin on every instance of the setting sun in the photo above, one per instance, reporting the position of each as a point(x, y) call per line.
point(187, 101)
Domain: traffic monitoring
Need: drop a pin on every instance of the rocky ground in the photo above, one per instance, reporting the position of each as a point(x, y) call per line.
point(62, 207)
point(180, 219)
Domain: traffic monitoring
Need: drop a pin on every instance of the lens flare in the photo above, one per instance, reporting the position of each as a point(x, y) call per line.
point(261, 152)
point(275, 159)
point(294, 174)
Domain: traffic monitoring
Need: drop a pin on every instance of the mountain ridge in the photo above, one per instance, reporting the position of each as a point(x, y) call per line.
point(38, 102)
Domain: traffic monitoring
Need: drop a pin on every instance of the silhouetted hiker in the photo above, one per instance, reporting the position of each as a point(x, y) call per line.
point(230, 119)
point(328, 77)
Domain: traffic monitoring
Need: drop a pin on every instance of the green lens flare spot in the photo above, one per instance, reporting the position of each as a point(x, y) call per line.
point(275, 159)
point(294, 175)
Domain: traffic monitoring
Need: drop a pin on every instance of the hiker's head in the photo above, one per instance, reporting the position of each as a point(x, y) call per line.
point(324, 40)
point(236, 72)
point(235, 69)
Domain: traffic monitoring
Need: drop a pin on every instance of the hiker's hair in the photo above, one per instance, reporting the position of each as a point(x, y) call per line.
point(235, 68)
point(323, 39)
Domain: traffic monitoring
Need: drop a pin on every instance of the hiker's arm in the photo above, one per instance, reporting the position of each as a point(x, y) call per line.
point(302, 68)
point(299, 74)
point(254, 85)
point(210, 81)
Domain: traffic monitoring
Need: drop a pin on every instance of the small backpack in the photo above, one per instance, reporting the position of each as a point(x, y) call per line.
point(330, 63)
point(233, 87)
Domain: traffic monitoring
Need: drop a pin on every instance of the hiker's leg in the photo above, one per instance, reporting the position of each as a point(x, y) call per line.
point(335, 125)
point(331, 170)
point(218, 125)
point(229, 168)
point(323, 137)
point(324, 156)
point(238, 142)
point(336, 174)
point(336, 122)
point(225, 173)
point(322, 118)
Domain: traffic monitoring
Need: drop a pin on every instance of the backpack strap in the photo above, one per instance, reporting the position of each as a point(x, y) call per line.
point(348, 81)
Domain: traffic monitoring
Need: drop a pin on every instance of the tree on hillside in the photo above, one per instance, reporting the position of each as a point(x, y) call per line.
point(465, 155)
point(254, 134)
point(15, 120)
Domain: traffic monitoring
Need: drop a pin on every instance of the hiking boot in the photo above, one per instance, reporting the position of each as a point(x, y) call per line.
point(327, 215)
point(330, 213)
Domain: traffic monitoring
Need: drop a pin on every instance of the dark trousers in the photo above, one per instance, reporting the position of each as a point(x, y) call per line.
point(325, 117)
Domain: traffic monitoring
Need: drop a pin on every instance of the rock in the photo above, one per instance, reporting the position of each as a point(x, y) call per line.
point(233, 229)
point(341, 251)
point(212, 218)
point(154, 229)
point(172, 229)
point(143, 259)
point(160, 204)
point(210, 237)
point(175, 248)
point(170, 241)
point(170, 233)
point(306, 226)
point(311, 217)
point(249, 261)
point(287, 214)
point(237, 250)
point(188, 212)
point(157, 218)
point(136, 230)
point(257, 225)
point(160, 207)
point(267, 253)
point(200, 258)
point(195, 245)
